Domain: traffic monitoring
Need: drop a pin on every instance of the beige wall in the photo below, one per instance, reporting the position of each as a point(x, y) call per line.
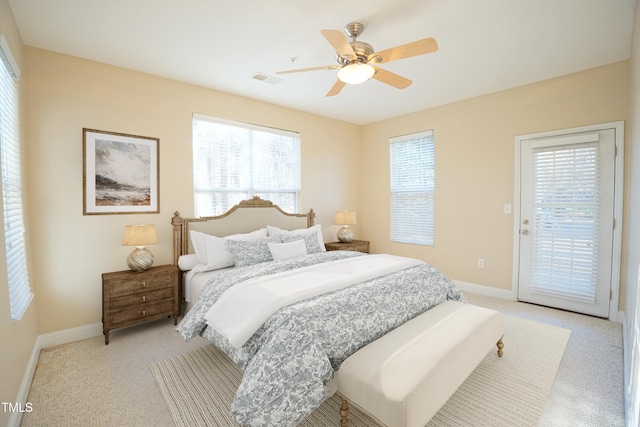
point(66, 94)
point(17, 339)
point(474, 147)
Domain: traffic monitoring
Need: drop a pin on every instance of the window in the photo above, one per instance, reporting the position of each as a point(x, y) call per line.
point(412, 188)
point(236, 161)
point(19, 291)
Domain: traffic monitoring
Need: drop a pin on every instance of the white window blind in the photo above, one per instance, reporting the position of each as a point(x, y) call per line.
point(236, 161)
point(566, 207)
point(412, 188)
point(14, 231)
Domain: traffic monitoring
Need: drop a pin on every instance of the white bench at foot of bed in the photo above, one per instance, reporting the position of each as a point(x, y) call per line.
point(406, 376)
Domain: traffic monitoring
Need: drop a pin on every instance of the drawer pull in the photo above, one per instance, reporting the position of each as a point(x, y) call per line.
point(144, 312)
point(144, 284)
point(144, 298)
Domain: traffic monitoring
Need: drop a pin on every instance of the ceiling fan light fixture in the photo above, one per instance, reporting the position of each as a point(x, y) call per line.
point(356, 73)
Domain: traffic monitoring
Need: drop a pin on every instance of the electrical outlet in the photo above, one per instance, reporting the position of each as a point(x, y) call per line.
point(480, 263)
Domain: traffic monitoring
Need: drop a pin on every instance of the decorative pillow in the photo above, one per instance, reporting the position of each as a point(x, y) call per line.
point(187, 262)
point(310, 241)
point(288, 250)
point(257, 234)
point(318, 247)
point(249, 252)
point(213, 252)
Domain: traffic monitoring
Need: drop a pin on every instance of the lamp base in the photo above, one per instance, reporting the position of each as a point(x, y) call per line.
point(345, 234)
point(140, 259)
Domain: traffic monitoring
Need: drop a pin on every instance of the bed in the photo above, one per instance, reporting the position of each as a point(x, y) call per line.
point(287, 311)
point(246, 217)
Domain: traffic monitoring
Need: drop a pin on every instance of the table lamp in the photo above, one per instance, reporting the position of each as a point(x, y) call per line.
point(345, 219)
point(139, 236)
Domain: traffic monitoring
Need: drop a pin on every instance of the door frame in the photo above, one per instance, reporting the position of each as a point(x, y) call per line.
point(618, 126)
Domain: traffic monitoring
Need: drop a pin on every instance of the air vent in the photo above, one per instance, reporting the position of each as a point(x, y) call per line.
point(266, 78)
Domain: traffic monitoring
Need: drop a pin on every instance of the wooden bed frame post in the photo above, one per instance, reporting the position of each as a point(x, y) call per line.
point(177, 222)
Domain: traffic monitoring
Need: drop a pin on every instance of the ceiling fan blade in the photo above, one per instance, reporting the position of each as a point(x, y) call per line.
point(419, 47)
point(391, 79)
point(340, 43)
point(301, 70)
point(336, 88)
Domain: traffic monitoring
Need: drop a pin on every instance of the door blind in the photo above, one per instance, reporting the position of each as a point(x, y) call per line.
point(566, 209)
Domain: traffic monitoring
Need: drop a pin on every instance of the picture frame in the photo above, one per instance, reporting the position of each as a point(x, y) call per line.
point(120, 173)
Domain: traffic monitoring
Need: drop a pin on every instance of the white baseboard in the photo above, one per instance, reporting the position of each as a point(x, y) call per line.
point(25, 385)
point(69, 335)
point(485, 290)
point(45, 341)
point(511, 296)
point(626, 360)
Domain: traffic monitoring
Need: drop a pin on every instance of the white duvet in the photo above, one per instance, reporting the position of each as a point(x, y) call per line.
point(242, 309)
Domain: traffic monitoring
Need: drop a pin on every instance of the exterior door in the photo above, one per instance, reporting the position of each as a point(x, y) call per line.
point(566, 230)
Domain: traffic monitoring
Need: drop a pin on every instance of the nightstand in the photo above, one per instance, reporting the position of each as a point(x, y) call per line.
point(356, 245)
point(130, 297)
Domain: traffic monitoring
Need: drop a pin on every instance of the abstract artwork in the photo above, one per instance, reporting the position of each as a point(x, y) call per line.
point(120, 173)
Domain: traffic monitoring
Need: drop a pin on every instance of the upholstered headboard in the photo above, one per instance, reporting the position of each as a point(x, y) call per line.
point(247, 216)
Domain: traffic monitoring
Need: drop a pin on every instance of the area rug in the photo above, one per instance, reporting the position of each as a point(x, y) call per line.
point(198, 386)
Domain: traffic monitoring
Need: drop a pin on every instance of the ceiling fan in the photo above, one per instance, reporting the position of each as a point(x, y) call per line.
point(357, 61)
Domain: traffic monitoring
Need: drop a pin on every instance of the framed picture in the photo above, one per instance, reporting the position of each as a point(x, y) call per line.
point(120, 173)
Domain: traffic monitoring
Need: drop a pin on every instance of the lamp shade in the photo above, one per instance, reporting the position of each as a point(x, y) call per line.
point(356, 73)
point(345, 218)
point(139, 235)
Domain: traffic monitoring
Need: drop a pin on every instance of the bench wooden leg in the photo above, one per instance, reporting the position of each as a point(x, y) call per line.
point(344, 413)
point(500, 345)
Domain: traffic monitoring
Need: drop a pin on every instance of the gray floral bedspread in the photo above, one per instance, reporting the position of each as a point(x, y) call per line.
point(289, 360)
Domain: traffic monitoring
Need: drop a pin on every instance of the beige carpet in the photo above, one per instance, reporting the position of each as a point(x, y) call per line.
point(198, 386)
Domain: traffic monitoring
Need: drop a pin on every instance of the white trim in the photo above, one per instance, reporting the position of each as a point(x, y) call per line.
point(25, 385)
point(259, 128)
point(7, 55)
point(69, 335)
point(485, 290)
point(46, 341)
point(617, 208)
point(626, 369)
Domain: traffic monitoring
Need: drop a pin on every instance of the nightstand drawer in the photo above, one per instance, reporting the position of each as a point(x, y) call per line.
point(139, 298)
point(134, 314)
point(128, 285)
point(356, 245)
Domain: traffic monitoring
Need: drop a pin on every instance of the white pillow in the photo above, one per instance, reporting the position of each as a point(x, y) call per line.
point(288, 250)
point(187, 262)
point(275, 231)
point(213, 252)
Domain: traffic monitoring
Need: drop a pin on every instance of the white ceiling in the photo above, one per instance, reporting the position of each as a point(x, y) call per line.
point(485, 46)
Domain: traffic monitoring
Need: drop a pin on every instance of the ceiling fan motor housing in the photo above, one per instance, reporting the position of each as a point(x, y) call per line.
point(353, 29)
point(362, 50)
